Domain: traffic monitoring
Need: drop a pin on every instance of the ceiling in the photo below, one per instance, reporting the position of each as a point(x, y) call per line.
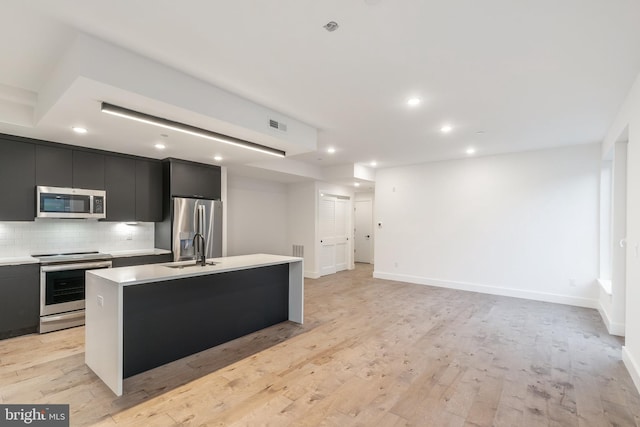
point(506, 75)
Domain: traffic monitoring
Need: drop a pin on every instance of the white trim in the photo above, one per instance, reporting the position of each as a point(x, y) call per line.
point(632, 366)
point(493, 290)
point(612, 327)
point(311, 275)
point(606, 286)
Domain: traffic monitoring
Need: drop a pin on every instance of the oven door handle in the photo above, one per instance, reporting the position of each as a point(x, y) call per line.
point(63, 316)
point(80, 266)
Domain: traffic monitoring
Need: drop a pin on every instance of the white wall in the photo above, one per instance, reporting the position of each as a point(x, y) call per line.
point(302, 223)
point(523, 224)
point(257, 216)
point(629, 119)
point(67, 235)
point(366, 197)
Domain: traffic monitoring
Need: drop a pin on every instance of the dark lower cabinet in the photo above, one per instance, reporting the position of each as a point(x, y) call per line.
point(140, 260)
point(17, 181)
point(120, 184)
point(19, 300)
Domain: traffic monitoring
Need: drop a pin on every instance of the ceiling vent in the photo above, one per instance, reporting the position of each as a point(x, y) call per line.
point(277, 125)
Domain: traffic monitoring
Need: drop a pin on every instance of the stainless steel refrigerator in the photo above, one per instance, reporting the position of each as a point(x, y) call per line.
point(191, 216)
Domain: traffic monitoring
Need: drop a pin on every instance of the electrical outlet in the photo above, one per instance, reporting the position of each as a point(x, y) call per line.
point(129, 236)
point(572, 283)
point(100, 301)
point(395, 264)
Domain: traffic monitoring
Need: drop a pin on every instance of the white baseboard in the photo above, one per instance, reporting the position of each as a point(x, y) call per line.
point(613, 328)
point(311, 275)
point(632, 366)
point(493, 290)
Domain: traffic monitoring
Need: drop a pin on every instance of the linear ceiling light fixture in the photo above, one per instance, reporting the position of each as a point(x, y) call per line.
point(188, 129)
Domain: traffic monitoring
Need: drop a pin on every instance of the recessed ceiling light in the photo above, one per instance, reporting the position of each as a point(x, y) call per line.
point(446, 128)
point(78, 129)
point(470, 151)
point(160, 146)
point(331, 150)
point(412, 102)
point(373, 164)
point(357, 184)
point(217, 158)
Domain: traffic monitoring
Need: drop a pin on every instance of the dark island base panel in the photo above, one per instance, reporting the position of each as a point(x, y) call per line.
point(166, 321)
point(18, 332)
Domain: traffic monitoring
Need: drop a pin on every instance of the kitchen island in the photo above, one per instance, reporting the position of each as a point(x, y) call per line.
point(141, 317)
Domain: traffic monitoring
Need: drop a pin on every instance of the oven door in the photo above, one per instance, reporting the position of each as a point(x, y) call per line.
point(62, 286)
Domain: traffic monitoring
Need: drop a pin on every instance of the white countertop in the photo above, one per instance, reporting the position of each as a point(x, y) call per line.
point(18, 260)
point(26, 259)
point(136, 275)
point(138, 252)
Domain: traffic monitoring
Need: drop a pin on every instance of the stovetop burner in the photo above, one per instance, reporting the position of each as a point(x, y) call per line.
point(72, 256)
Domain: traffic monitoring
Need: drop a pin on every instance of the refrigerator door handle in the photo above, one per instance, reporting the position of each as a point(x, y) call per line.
point(200, 224)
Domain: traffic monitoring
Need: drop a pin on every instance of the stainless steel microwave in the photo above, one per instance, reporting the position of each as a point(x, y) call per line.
point(58, 202)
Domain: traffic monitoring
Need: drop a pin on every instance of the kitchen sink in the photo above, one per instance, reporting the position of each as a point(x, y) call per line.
point(181, 266)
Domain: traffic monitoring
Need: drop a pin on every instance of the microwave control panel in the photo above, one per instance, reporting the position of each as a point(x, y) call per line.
point(98, 204)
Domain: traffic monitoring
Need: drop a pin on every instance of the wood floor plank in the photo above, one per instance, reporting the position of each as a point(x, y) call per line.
point(371, 353)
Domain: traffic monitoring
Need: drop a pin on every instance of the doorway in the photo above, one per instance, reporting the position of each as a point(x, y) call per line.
point(334, 225)
point(613, 231)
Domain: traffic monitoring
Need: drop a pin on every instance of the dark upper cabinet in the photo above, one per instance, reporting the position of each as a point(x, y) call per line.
point(17, 181)
point(120, 184)
point(148, 190)
point(19, 300)
point(134, 189)
point(88, 171)
point(134, 185)
point(54, 166)
point(189, 179)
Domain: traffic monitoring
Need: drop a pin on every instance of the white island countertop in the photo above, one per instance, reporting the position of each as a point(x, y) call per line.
point(139, 274)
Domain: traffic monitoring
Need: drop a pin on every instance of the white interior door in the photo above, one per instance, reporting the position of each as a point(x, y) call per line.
point(364, 231)
point(342, 234)
point(333, 230)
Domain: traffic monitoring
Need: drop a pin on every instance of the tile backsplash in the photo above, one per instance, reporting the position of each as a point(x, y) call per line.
point(67, 235)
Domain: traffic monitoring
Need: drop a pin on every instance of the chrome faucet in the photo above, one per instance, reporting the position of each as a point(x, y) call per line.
point(201, 257)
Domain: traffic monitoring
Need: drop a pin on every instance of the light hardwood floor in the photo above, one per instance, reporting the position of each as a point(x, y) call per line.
point(371, 353)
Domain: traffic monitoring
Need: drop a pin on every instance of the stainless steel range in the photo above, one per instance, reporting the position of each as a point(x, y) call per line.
point(62, 279)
